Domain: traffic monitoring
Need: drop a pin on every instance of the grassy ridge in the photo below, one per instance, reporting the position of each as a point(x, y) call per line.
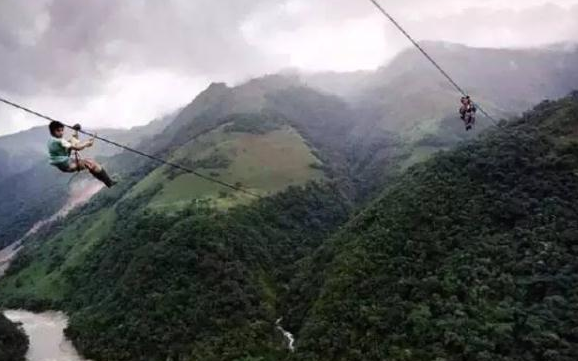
point(265, 163)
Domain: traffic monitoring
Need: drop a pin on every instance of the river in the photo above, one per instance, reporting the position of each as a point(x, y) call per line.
point(46, 334)
point(287, 335)
point(46, 330)
point(48, 343)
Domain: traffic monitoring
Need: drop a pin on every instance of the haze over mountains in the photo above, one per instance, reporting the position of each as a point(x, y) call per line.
point(168, 266)
point(362, 126)
point(408, 90)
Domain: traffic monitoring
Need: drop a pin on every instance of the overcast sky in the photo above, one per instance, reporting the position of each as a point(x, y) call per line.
point(123, 63)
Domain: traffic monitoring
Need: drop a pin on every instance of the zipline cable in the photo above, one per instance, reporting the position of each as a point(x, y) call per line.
point(430, 58)
point(233, 187)
point(132, 150)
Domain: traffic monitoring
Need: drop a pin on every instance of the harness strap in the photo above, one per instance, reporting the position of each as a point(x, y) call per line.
point(77, 160)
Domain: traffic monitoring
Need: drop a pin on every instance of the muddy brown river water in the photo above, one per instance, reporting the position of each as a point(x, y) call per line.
point(46, 334)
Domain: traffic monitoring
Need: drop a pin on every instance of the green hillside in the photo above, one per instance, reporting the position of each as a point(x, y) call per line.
point(260, 160)
point(29, 197)
point(199, 282)
point(41, 269)
point(252, 151)
point(470, 256)
point(463, 255)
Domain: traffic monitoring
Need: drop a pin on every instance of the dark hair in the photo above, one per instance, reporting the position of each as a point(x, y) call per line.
point(54, 126)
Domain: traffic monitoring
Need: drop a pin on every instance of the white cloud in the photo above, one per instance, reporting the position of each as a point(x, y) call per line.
point(356, 44)
point(342, 35)
point(136, 98)
point(126, 100)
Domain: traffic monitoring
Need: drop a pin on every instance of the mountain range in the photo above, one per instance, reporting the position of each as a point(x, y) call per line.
point(384, 230)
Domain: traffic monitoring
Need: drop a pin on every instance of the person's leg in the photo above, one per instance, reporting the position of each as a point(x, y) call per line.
point(468, 121)
point(66, 167)
point(97, 172)
point(91, 165)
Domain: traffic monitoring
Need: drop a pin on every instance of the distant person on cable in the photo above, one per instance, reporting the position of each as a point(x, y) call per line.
point(468, 112)
point(60, 151)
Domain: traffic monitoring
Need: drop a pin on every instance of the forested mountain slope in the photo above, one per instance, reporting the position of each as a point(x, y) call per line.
point(470, 256)
point(231, 134)
point(168, 266)
point(260, 153)
point(29, 197)
point(374, 126)
point(197, 283)
point(405, 111)
point(160, 213)
point(13, 341)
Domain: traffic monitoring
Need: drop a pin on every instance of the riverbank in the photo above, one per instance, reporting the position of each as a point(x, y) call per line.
point(46, 335)
point(46, 330)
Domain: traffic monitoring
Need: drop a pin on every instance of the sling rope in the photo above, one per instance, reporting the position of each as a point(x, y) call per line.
point(135, 151)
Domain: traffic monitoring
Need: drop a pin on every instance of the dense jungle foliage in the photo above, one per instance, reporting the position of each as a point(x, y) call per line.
point(471, 256)
point(468, 256)
point(199, 283)
point(383, 255)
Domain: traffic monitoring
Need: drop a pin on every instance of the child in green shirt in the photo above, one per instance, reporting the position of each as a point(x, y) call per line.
point(60, 149)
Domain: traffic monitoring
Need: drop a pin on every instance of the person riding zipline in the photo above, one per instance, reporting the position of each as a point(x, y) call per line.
point(60, 150)
point(468, 112)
